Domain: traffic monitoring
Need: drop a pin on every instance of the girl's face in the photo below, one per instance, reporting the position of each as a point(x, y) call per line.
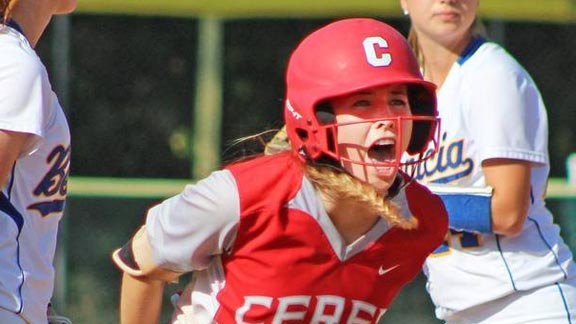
point(375, 145)
point(441, 20)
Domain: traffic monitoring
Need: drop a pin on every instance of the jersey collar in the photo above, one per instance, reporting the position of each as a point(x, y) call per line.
point(471, 49)
point(13, 24)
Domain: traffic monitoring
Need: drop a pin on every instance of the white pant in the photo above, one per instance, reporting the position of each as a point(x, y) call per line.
point(8, 317)
point(554, 304)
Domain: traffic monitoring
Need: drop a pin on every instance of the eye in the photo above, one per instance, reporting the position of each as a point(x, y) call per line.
point(361, 103)
point(398, 102)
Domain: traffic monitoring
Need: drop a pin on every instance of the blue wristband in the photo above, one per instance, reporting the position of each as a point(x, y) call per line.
point(469, 209)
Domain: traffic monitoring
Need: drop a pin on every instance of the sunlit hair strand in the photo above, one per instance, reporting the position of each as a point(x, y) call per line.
point(338, 185)
point(6, 9)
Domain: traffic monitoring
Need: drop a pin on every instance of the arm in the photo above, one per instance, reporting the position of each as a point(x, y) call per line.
point(511, 196)
point(140, 300)
point(188, 231)
point(11, 144)
point(142, 281)
point(509, 125)
point(499, 208)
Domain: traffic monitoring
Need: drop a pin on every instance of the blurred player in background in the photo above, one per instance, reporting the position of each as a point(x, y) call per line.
point(34, 163)
point(326, 232)
point(504, 260)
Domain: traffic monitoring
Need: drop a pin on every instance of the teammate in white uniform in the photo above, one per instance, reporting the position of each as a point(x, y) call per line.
point(327, 232)
point(504, 260)
point(34, 163)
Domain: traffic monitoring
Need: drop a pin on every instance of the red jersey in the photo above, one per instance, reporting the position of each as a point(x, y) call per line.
point(279, 258)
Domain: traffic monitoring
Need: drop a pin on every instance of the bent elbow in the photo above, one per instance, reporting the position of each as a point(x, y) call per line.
point(510, 230)
point(511, 225)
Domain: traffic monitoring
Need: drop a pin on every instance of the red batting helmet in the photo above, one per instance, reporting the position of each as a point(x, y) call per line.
point(342, 58)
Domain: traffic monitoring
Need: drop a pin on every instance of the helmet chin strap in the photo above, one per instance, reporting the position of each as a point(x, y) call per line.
point(396, 186)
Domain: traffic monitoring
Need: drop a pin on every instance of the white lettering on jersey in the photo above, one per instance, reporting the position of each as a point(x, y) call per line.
point(377, 58)
point(448, 165)
point(324, 302)
point(249, 301)
point(361, 313)
point(283, 314)
point(359, 307)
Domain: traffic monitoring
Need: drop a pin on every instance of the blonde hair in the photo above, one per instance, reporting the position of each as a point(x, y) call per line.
point(478, 29)
point(338, 185)
point(5, 9)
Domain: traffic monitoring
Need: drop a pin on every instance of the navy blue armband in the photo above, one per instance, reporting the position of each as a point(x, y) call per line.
point(469, 208)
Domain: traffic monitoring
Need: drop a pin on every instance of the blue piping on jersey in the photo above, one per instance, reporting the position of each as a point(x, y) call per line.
point(11, 184)
point(471, 49)
point(22, 273)
point(7, 208)
point(505, 263)
point(548, 245)
point(543, 238)
point(568, 316)
point(14, 24)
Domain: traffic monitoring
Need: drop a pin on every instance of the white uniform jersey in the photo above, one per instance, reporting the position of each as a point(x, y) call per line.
point(32, 201)
point(491, 108)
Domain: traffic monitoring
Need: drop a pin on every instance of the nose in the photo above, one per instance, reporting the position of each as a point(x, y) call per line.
point(384, 125)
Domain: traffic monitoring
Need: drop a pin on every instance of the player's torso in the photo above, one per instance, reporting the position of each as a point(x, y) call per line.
point(32, 200)
point(488, 266)
point(289, 264)
point(38, 180)
point(298, 268)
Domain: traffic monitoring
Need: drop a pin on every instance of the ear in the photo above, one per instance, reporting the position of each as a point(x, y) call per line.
point(404, 6)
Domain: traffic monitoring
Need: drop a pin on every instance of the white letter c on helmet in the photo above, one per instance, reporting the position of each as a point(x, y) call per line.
point(376, 60)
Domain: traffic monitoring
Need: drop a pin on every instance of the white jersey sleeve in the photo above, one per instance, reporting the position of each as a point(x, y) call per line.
point(188, 230)
point(504, 111)
point(21, 81)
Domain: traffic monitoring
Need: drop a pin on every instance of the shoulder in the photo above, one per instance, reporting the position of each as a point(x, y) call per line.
point(15, 49)
point(18, 61)
point(426, 206)
point(263, 167)
point(491, 59)
point(265, 178)
point(420, 197)
point(492, 70)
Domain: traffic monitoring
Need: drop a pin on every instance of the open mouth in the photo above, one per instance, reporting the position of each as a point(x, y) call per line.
point(383, 150)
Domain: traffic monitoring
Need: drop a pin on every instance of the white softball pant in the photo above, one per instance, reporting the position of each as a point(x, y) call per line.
point(554, 304)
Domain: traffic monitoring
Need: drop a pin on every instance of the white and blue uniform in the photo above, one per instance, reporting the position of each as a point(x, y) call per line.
point(32, 201)
point(490, 108)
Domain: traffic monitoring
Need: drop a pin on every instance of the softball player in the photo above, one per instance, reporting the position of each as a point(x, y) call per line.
point(34, 163)
point(503, 260)
point(327, 232)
